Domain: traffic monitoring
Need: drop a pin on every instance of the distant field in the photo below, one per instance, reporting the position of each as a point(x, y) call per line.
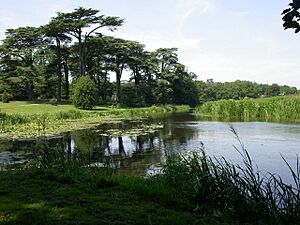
point(20, 107)
point(28, 108)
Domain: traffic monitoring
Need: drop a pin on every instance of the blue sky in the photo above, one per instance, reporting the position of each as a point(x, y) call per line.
point(220, 39)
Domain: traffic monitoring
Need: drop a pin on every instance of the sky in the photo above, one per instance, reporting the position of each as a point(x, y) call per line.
point(223, 40)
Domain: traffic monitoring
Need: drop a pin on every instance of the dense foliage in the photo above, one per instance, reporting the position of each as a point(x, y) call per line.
point(291, 16)
point(211, 91)
point(39, 63)
point(6, 97)
point(84, 93)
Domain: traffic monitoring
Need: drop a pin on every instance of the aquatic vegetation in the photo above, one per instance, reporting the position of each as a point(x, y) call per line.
point(140, 130)
point(275, 108)
point(53, 122)
point(214, 185)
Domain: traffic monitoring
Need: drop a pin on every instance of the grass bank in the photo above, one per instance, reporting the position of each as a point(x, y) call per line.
point(87, 196)
point(20, 119)
point(282, 108)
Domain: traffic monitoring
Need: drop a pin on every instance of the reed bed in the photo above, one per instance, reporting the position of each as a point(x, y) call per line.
point(216, 186)
point(275, 108)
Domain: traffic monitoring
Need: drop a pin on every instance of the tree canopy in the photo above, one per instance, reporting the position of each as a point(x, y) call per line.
point(291, 16)
point(40, 63)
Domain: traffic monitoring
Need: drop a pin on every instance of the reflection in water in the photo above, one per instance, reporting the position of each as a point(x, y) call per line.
point(137, 154)
point(136, 150)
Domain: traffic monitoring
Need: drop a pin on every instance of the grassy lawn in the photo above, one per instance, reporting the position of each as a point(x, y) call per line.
point(49, 197)
point(20, 107)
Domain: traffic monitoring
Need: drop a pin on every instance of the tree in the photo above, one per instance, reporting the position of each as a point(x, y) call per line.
point(136, 62)
point(166, 58)
point(184, 90)
point(291, 16)
point(21, 48)
point(119, 51)
point(100, 62)
point(79, 20)
point(55, 30)
point(273, 90)
point(287, 90)
point(84, 93)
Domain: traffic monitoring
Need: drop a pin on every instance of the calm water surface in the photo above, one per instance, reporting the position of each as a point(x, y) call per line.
point(177, 133)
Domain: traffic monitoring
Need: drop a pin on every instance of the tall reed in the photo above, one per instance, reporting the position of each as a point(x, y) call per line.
point(275, 108)
point(216, 186)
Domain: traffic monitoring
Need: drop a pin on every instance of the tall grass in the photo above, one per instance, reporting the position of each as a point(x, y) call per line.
point(216, 186)
point(275, 108)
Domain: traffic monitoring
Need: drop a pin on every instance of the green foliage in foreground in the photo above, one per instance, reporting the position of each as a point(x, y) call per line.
point(58, 189)
point(66, 118)
point(275, 108)
point(241, 192)
point(52, 197)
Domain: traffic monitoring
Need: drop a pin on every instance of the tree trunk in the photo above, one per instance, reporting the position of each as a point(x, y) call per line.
point(59, 75)
point(118, 83)
point(29, 87)
point(137, 76)
point(105, 86)
point(119, 71)
point(98, 83)
point(81, 56)
point(67, 83)
point(97, 78)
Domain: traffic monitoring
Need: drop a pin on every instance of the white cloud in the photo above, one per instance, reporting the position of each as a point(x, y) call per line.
point(227, 68)
point(189, 7)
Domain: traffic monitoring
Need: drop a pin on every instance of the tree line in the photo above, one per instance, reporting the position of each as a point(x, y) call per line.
point(44, 62)
point(212, 91)
point(40, 62)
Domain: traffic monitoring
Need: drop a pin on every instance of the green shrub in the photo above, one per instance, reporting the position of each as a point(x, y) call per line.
point(6, 97)
point(53, 101)
point(84, 93)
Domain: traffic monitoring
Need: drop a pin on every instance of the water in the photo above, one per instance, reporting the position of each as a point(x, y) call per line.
point(140, 147)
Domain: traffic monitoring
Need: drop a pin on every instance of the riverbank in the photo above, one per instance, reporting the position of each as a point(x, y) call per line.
point(283, 108)
point(86, 196)
point(25, 120)
point(195, 189)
